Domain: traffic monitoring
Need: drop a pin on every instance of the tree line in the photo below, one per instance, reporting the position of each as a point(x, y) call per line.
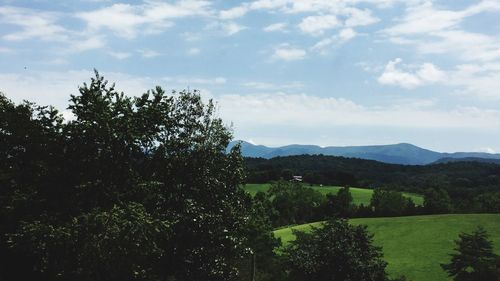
point(471, 186)
point(290, 203)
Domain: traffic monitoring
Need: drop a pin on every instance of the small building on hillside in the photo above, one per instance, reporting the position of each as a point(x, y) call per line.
point(297, 178)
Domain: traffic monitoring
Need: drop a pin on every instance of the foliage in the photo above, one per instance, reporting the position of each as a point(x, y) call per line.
point(335, 251)
point(262, 242)
point(130, 189)
point(294, 203)
point(391, 203)
point(359, 195)
point(437, 201)
point(474, 259)
point(97, 246)
point(488, 202)
point(463, 181)
point(339, 205)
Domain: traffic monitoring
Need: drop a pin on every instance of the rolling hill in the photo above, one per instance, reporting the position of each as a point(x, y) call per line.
point(402, 153)
point(416, 246)
point(462, 180)
point(359, 195)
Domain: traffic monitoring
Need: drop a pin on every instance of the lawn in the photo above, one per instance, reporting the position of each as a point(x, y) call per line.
point(415, 246)
point(359, 195)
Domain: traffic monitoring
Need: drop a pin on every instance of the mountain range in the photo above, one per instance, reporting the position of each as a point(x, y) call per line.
point(402, 153)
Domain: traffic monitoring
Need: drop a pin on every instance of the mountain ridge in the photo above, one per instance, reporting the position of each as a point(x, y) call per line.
point(401, 153)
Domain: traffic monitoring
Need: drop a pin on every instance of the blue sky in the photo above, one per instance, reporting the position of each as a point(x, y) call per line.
point(326, 72)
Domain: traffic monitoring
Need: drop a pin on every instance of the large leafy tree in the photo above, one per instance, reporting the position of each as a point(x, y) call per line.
point(474, 259)
point(437, 201)
point(132, 188)
point(335, 251)
point(390, 203)
point(340, 204)
point(294, 203)
point(264, 264)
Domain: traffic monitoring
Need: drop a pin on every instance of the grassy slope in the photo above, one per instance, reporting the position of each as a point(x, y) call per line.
point(415, 246)
point(359, 195)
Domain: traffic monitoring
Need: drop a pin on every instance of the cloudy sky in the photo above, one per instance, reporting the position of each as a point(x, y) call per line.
point(326, 72)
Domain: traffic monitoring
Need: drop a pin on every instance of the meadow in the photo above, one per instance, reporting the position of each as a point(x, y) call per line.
point(416, 246)
point(359, 195)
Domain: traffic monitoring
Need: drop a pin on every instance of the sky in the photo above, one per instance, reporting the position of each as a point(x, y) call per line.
point(324, 72)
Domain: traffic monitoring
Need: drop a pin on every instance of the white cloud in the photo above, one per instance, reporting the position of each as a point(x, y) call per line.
point(316, 25)
point(123, 19)
point(160, 10)
point(324, 45)
point(321, 6)
point(4, 50)
point(120, 55)
point(191, 36)
point(273, 86)
point(234, 13)
point(487, 150)
point(427, 73)
point(232, 28)
point(34, 24)
point(288, 53)
point(220, 80)
point(43, 26)
point(424, 18)
point(477, 80)
point(480, 80)
point(467, 46)
point(186, 81)
point(90, 43)
point(128, 21)
point(268, 4)
point(225, 28)
point(57, 61)
point(301, 111)
point(193, 51)
point(280, 26)
point(146, 53)
point(347, 34)
point(440, 31)
point(370, 67)
point(358, 17)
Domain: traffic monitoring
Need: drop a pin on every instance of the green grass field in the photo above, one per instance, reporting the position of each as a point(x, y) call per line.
point(415, 246)
point(359, 195)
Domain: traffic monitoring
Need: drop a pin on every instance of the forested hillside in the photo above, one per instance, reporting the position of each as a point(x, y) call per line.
point(462, 180)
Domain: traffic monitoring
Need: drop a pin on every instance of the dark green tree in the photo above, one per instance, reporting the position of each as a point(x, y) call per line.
point(335, 251)
point(437, 201)
point(488, 202)
point(131, 189)
point(389, 203)
point(264, 262)
point(340, 204)
point(294, 203)
point(474, 259)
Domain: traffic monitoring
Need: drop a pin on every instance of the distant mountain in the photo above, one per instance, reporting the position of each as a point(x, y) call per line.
point(402, 153)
